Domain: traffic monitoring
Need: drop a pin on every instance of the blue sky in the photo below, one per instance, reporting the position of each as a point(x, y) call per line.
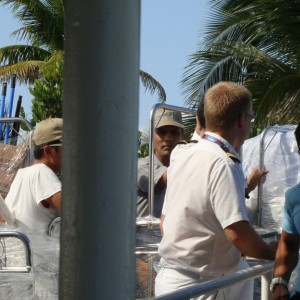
point(170, 32)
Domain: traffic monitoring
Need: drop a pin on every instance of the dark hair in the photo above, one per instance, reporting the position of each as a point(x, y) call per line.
point(39, 150)
point(297, 136)
point(200, 113)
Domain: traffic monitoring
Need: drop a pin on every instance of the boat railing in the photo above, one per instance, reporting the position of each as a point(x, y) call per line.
point(15, 133)
point(54, 227)
point(264, 270)
point(4, 268)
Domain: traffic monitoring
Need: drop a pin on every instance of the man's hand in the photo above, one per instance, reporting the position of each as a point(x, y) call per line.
point(254, 178)
point(280, 293)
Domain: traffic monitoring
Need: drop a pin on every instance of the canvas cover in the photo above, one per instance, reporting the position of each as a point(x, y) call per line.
point(280, 155)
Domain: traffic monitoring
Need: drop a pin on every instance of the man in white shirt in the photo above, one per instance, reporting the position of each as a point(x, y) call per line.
point(206, 227)
point(34, 197)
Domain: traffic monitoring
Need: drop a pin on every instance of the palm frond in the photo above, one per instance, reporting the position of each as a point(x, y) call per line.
point(17, 53)
point(255, 44)
point(26, 72)
point(43, 22)
point(152, 85)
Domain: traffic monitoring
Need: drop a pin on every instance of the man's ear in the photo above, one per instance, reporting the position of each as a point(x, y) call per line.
point(47, 149)
point(241, 120)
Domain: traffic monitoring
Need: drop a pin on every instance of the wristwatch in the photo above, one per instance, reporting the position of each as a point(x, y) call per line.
point(278, 280)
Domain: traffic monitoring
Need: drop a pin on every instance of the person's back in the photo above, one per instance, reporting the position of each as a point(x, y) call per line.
point(202, 236)
point(206, 225)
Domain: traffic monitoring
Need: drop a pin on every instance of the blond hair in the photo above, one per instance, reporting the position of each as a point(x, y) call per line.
point(224, 103)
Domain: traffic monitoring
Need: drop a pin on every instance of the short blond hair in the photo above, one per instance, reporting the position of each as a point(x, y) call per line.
point(224, 103)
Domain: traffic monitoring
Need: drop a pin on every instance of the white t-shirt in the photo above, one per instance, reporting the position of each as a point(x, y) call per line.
point(205, 194)
point(30, 186)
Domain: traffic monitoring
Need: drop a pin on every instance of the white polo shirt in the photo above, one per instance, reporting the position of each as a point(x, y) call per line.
point(205, 194)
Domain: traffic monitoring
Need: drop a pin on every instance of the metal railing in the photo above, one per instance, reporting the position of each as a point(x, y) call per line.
point(263, 270)
point(30, 128)
point(24, 239)
point(54, 227)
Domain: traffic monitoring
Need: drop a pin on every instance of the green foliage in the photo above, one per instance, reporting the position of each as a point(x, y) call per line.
point(143, 149)
point(47, 92)
point(42, 31)
point(252, 43)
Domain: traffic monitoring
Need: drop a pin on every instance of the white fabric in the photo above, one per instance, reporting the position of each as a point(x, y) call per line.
point(170, 280)
point(182, 147)
point(173, 280)
point(6, 213)
point(205, 194)
point(280, 157)
point(30, 186)
point(196, 137)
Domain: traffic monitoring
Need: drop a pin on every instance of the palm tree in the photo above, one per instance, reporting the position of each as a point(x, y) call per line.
point(43, 29)
point(255, 43)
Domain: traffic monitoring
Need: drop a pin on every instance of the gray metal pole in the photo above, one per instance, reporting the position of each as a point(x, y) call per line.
point(100, 112)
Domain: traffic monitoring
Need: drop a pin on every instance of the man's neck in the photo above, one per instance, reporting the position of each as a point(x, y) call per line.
point(164, 160)
point(230, 137)
point(45, 162)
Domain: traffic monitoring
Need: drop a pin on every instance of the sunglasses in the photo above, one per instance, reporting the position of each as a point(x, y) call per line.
point(251, 116)
point(164, 131)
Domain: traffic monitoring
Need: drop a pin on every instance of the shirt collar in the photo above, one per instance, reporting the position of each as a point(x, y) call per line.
point(230, 148)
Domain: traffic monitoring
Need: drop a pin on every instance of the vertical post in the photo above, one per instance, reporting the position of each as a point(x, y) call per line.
point(265, 285)
point(3, 96)
point(10, 107)
point(16, 126)
point(100, 111)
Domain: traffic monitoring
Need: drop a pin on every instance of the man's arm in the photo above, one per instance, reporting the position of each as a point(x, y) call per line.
point(55, 202)
point(285, 262)
point(162, 182)
point(159, 175)
point(162, 218)
point(242, 235)
point(254, 178)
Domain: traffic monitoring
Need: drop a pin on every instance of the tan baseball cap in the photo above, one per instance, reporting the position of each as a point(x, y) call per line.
point(48, 130)
point(164, 117)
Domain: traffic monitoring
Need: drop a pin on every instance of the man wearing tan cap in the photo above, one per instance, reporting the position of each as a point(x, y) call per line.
point(168, 131)
point(34, 197)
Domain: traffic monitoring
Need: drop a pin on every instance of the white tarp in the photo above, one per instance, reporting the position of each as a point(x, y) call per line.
point(280, 153)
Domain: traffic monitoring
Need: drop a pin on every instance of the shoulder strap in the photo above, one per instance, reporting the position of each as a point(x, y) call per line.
point(222, 146)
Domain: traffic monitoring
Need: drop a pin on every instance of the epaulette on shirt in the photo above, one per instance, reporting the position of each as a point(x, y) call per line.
point(233, 157)
point(181, 142)
point(228, 153)
point(184, 142)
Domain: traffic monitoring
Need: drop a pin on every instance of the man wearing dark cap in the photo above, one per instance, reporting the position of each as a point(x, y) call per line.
point(34, 197)
point(168, 131)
